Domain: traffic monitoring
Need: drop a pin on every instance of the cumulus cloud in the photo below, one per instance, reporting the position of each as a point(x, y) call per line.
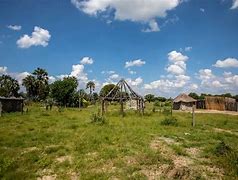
point(227, 63)
point(114, 76)
point(86, 60)
point(202, 10)
point(138, 62)
point(14, 27)
point(177, 64)
point(39, 37)
point(133, 10)
point(3, 70)
point(205, 74)
point(235, 4)
point(189, 48)
point(136, 82)
point(153, 27)
point(174, 56)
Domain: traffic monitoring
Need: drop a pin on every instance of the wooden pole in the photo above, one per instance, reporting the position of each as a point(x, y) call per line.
point(102, 107)
point(0, 109)
point(193, 116)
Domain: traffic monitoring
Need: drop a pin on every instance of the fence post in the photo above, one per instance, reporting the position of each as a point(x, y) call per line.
point(193, 115)
point(0, 109)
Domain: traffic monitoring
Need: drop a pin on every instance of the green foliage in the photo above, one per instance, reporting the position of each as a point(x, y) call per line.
point(169, 121)
point(8, 86)
point(222, 149)
point(95, 118)
point(106, 89)
point(63, 91)
point(37, 84)
point(193, 95)
point(149, 97)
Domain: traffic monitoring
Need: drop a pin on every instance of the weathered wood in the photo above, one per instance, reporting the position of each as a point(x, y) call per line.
point(0, 109)
point(193, 112)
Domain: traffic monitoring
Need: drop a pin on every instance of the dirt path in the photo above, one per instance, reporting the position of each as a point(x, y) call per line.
point(234, 113)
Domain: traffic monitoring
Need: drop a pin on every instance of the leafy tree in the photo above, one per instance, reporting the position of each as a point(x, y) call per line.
point(149, 97)
point(8, 86)
point(106, 89)
point(82, 94)
point(30, 84)
point(161, 99)
point(193, 95)
point(91, 86)
point(63, 91)
point(37, 84)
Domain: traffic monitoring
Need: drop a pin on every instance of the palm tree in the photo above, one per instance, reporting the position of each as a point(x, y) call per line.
point(41, 83)
point(81, 96)
point(91, 86)
point(30, 84)
point(8, 86)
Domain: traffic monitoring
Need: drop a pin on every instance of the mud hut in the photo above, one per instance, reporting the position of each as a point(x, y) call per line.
point(220, 103)
point(11, 104)
point(183, 102)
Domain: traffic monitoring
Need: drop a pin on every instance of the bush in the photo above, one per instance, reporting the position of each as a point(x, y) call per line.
point(222, 149)
point(95, 118)
point(157, 103)
point(169, 121)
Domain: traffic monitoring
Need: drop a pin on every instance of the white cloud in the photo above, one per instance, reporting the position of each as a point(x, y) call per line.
point(52, 79)
point(14, 27)
point(226, 63)
point(235, 4)
point(174, 56)
point(175, 69)
point(202, 10)
point(86, 60)
point(3, 70)
point(138, 62)
point(138, 81)
point(131, 71)
point(216, 84)
point(20, 76)
point(205, 74)
point(114, 76)
point(153, 27)
point(108, 72)
point(178, 65)
point(189, 48)
point(39, 37)
point(78, 72)
point(133, 10)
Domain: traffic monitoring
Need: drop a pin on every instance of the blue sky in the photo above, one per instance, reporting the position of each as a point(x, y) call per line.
point(171, 46)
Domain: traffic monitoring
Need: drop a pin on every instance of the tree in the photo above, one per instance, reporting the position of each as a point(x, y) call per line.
point(106, 89)
point(63, 91)
point(149, 97)
point(37, 86)
point(41, 83)
point(8, 86)
point(91, 86)
point(193, 95)
point(30, 84)
point(82, 95)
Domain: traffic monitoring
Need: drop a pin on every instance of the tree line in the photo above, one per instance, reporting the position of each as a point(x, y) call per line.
point(65, 92)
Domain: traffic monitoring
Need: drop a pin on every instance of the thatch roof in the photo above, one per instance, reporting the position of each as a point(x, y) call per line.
point(184, 98)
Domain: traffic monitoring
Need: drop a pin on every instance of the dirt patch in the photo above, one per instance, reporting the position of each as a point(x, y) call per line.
point(64, 158)
point(48, 177)
point(30, 149)
point(225, 130)
point(73, 176)
point(130, 160)
point(182, 167)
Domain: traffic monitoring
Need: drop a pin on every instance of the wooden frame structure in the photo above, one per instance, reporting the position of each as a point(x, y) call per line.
point(121, 93)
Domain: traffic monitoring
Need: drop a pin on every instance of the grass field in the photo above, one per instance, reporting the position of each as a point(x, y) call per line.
point(66, 145)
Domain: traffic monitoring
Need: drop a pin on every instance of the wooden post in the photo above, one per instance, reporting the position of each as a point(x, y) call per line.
point(122, 109)
point(172, 108)
point(22, 106)
point(193, 116)
point(102, 107)
point(0, 109)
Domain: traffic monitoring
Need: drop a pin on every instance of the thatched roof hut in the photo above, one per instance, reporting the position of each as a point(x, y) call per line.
point(183, 102)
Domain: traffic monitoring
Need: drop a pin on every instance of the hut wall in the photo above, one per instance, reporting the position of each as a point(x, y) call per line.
point(215, 103)
point(176, 105)
point(11, 105)
point(230, 104)
point(200, 104)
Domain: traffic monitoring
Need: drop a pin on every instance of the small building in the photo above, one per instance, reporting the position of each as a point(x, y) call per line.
point(221, 103)
point(11, 104)
point(183, 102)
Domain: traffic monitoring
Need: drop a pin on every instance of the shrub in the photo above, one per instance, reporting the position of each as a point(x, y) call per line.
point(157, 103)
point(222, 149)
point(95, 118)
point(169, 121)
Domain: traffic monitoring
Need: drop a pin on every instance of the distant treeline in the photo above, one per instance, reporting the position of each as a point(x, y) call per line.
point(65, 91)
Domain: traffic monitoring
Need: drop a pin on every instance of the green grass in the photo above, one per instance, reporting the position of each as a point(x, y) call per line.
point(32, 144)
